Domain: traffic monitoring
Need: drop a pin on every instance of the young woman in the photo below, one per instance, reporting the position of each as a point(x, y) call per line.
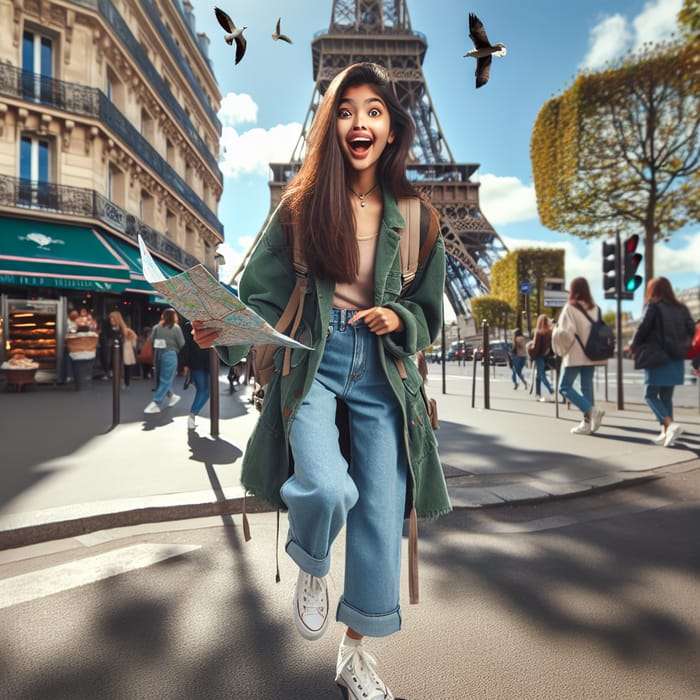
point(576, 365)
point(127, 338)
point(518, 355)
point(541, 348)
point(667, 327)
point(341, 210)
point(196, 361)
point(168, 340)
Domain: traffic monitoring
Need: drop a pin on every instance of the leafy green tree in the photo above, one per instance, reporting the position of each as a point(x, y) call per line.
point(689, 19)
point(495, 311)
point(620, 149)
point(531, 265)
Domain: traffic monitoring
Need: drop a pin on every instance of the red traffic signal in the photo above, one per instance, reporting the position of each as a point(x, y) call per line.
point(631, 281)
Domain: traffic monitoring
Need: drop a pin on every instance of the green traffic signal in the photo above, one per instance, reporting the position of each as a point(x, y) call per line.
point(631, 281)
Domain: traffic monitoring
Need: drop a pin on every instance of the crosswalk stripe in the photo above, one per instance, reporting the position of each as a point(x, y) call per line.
point(55, 579)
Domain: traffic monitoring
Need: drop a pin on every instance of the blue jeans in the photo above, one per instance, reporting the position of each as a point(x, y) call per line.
point(541, 377)
point(584, 400)
point(167, 369)
point(202, 383)
point(518, 365)
point(660, 400)
point(368, 495)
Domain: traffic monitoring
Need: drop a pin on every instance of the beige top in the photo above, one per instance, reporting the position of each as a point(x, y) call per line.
point(359, 294)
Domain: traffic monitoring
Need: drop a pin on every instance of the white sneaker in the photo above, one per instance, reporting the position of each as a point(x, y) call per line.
point(672, 432)
point(191, 425)
point(542, 399)
point(152, 407)
point(596, 418)
point(356, 675)
point(310, 605)
point(660, 438)
point(583, 428)
point(173, 399)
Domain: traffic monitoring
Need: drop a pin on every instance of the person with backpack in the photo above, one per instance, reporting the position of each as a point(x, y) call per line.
point(518, 358)
point(344, 438)
point(659, 347)
point(570, 340)
point(540, 351)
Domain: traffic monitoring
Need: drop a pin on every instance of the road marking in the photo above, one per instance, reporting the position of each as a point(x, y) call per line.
point(55, 579)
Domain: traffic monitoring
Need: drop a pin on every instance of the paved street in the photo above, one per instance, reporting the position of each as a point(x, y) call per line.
point(592, 597)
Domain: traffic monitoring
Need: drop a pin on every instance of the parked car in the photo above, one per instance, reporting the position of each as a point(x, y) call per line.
point(499, 352)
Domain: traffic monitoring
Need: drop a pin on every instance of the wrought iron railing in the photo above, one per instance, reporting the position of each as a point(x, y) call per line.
point(91, 102)
point(26, 195)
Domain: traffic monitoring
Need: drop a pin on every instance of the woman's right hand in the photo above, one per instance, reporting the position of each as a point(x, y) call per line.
point(204, 336)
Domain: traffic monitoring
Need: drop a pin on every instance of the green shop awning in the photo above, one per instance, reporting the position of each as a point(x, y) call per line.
point(130, 255)
point(41, 254)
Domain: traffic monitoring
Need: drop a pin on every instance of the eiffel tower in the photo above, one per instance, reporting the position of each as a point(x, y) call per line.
point(380, 31)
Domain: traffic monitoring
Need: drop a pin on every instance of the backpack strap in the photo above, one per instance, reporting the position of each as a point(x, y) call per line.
point(409, 208)
point(295, 306)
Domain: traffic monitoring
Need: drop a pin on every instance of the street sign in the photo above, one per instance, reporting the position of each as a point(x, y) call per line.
point(554, 293)
point(525, 287)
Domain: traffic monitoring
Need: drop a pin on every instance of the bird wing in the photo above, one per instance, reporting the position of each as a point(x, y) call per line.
point(241, 44)
point(224, 20)
point(277, 29)
point(477, 33)
point(483, 70)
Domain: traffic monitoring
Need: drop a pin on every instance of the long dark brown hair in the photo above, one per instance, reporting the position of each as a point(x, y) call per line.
point(580, 293)
point(660, 289)
point(315, 204)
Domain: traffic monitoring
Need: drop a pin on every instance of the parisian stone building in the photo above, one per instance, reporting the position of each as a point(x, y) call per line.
point(108, 130)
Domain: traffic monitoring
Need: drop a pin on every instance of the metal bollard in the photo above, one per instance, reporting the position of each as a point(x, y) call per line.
point(487, 361)
point(116, 382)
point(214, 393)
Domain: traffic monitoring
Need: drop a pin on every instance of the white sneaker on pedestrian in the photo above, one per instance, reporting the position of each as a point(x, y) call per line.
point(583, 428)
point(542, 399)
point(152, 407)
point(310, 605)
point(356, 674)
point(660, 438)
point(191, 425)
point(173, 399)
point(672, 433)
point(596, 418)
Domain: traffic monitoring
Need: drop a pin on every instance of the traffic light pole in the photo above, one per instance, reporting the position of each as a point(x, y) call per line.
point(618, 321)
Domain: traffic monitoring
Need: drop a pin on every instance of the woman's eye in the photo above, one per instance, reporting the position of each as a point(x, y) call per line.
point(374, 112)
point(343, 113)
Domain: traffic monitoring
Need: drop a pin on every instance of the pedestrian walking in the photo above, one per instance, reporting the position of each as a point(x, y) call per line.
point(569, 337)
point(168, 340)
point(127, 342)
point(659, 347)
point(518, 354)
point(341, 210)
point(541, 354)
point(196, 362)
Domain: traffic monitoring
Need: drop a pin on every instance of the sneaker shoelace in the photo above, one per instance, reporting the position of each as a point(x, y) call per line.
point(314, 596)
point(361, 672)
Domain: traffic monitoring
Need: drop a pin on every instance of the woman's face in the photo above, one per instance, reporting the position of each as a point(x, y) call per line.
point(363, 126)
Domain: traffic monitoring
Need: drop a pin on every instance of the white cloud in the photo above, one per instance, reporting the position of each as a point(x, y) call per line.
point(251, 152)
point(505, 200)
point(609, 39)
point(614, 35)
point(657, 21)
point(238, 109)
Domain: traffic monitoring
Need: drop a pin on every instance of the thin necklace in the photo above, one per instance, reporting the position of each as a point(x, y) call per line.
point(361, 197)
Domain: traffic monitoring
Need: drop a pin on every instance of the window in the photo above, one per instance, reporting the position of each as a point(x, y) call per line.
point(169, 153)
point(34, 171)
point(116, 190)
point(115, 90)
point(147, 126)
point(146, 208)
point(37, 66)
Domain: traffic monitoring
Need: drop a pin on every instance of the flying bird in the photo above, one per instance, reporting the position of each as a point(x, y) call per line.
point(278, 34)
point(234, 33)
point(483, 50)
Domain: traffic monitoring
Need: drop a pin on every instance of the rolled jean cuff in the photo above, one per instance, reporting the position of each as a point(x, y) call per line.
point(307, 563)
point(368, 625)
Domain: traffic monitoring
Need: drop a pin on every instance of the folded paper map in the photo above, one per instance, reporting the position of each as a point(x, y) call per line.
point(198, 296)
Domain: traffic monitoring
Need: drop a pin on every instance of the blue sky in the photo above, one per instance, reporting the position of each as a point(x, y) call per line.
point(267, 95)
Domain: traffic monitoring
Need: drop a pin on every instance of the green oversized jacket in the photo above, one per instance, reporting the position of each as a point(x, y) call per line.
point(266, 286)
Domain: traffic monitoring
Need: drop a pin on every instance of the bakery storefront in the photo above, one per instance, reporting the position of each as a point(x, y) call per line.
point(47, 269)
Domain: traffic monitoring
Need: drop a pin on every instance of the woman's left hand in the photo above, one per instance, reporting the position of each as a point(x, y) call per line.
point(379, 320)
point(204, 337)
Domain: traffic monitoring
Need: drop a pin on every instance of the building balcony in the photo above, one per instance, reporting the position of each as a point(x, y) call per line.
point(22, 197)
point(92, 103)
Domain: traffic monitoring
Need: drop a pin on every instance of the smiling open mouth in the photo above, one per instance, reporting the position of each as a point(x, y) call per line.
point(359, 144)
